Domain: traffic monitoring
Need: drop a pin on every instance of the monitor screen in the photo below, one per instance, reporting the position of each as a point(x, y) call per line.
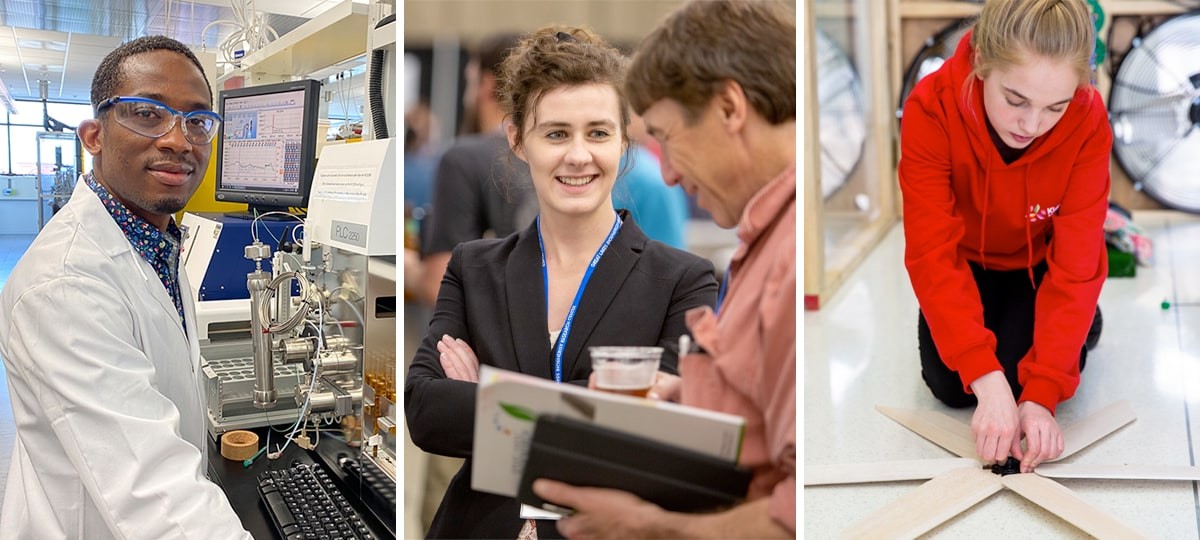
point(267, 152)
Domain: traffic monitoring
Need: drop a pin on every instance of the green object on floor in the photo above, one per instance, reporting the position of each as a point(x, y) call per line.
point(1121, 264)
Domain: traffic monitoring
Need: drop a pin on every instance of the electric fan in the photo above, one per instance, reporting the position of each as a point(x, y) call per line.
point(1154, 108)
point(842, 118)
point(937, 49)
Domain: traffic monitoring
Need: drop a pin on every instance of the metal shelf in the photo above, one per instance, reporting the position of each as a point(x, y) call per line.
point(332, 37)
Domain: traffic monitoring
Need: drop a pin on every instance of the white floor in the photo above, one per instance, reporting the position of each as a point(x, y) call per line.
point(860, 350)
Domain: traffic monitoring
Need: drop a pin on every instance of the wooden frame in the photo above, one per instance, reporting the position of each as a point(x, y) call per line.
point(825, 269)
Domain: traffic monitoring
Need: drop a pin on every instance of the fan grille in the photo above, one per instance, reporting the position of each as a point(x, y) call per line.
point(1154, 108)
point(937, 49)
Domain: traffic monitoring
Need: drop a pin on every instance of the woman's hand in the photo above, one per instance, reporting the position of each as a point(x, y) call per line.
point(995, 424)
point(458, 360)
point(1043, 438)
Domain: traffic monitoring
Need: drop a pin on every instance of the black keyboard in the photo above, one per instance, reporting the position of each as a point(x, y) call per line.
point(304, 503)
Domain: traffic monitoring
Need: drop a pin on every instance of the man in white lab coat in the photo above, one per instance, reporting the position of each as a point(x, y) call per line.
point(97, 329)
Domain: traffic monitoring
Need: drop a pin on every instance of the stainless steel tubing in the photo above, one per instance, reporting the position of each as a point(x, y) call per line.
point(264, 377)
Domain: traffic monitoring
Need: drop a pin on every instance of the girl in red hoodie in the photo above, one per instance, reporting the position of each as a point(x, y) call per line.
point(1005, 177)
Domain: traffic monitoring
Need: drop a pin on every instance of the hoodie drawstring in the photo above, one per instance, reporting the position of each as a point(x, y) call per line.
point(1028, 233)
point(987, 181)
point(987, 193)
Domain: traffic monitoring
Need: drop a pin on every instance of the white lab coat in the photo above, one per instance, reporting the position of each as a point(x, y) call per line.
point(105, 392)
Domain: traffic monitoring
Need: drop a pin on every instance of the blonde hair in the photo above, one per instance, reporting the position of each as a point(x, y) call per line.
point(1008, 31)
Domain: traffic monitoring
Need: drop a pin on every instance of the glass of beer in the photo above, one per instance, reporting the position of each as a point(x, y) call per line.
point(625, 370)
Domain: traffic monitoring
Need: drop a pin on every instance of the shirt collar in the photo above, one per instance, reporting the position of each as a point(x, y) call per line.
point(151, 243)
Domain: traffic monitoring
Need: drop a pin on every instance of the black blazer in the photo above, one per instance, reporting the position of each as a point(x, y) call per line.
point(493, 298)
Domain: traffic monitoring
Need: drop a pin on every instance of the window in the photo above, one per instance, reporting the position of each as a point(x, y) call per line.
point(18, 136)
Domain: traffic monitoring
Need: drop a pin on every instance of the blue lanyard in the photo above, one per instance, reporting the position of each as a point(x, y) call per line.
point(561, 345)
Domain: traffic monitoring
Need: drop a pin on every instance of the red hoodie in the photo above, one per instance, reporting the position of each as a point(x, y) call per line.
point(963, 203)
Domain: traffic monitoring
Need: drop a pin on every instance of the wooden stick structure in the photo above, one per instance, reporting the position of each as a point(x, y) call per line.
point(1096, 426)
point(928, 506)
point(1065, 504)
point(938, 428)
point(885, 471)
point(1119, 472)
point(956, 484)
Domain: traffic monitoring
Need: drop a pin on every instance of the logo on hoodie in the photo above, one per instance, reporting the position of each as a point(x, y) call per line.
point(1037, 213)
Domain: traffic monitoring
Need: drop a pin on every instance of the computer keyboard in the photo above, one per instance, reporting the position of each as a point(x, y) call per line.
point(304, 503)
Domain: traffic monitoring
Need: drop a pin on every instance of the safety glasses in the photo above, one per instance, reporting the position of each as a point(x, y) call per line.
point(154, 119)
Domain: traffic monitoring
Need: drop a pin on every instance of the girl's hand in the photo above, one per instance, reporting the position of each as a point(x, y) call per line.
point(995, 424)
point(1043, 438)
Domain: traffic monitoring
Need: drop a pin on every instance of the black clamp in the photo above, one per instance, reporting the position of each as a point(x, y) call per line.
point(1012, 466)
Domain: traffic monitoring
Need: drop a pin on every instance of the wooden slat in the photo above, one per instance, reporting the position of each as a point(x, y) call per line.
point(1117, 472)
point(938, 10)
point(1065, 504)
point(809, 139)
point(883, 471)
point(927, 506)
point(940, 429)
point(1098, 425)
point(956, 437)
point(1148, 7)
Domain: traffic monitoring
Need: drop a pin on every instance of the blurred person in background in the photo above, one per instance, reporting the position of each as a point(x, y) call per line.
point(659, 209)
point(481, 189)
point(421, 156)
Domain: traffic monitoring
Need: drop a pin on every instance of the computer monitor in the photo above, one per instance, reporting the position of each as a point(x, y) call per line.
point(268, 141)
